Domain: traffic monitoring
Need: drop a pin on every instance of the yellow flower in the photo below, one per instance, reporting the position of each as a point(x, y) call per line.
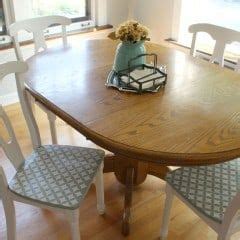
point(132, 31)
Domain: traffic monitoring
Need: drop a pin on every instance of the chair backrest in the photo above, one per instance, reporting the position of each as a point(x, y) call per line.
point(37, 26)
point(223, 36)
point(19, 68)
point(11, 146)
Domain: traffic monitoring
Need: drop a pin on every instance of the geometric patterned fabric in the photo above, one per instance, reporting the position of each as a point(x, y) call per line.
point(58, 176)
point(209, 189)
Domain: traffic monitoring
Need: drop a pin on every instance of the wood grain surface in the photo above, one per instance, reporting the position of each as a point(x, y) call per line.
point(195, 120)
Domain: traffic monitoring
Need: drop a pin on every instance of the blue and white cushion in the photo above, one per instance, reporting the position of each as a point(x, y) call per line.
point(209, 189)
point(58, 176)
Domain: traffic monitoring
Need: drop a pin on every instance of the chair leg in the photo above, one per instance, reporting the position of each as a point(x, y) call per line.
point(100, 190)
point(9, 209)
point(223, 237)
point(166, 214)
point(32, 102)
point(225, 234)
point(52, 123)
point(74, 223)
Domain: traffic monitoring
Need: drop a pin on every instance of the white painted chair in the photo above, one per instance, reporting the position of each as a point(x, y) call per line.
point(221, 35)
point(37, 27)
point(212, 192)
point(53, 177)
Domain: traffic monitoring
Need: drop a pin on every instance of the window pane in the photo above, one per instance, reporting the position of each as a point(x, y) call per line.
point(69, 8)
point(32, 8)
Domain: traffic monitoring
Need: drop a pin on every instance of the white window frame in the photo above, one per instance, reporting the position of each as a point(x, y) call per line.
point(8, 12)
point(98, 15)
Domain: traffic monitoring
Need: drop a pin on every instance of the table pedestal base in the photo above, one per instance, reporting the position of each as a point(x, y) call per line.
point(131, 172)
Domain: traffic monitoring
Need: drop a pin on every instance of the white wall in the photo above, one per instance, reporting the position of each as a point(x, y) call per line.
point(101, 12)
point(117, 11)
point(157, 15)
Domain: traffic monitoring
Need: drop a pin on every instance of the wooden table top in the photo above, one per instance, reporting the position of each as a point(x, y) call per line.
point(194, 120)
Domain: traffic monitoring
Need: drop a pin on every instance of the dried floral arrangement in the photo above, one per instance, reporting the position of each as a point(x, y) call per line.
point(130, 31)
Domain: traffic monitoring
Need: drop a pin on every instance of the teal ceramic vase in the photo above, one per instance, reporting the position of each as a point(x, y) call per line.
point(127, 51)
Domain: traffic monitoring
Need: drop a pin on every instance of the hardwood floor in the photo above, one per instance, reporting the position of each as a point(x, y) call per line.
point(148, 201)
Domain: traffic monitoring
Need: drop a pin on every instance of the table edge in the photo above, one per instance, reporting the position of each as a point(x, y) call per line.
point(120, 149)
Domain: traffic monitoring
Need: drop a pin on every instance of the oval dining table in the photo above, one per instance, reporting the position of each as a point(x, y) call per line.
point(194, 120)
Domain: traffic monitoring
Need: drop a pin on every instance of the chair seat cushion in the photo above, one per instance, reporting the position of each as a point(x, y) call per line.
point(209, 189)
point(58, 176)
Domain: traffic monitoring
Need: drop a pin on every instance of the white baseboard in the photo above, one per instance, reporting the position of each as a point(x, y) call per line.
point(9, 99)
